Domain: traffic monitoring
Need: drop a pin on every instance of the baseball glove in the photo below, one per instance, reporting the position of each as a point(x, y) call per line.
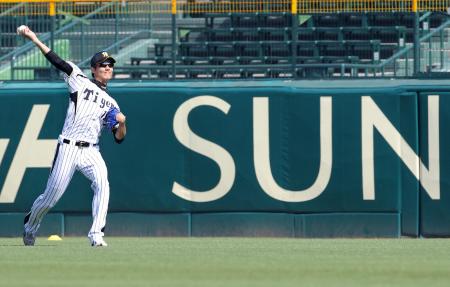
point(110, 118)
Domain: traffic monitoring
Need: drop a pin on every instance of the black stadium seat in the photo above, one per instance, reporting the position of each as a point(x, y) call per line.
point(252, 40)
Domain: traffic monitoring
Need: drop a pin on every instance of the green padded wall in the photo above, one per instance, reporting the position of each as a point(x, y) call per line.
point(269, 158)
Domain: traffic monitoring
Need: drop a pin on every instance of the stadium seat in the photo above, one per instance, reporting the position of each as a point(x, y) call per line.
point(241, 43)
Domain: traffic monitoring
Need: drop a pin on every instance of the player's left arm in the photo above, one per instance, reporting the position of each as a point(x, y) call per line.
point(121, 130)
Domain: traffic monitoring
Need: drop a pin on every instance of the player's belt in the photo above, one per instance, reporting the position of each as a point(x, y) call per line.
point(78, 143)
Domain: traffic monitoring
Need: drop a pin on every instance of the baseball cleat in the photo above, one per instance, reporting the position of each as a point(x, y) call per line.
point(28, 239)
point(98, 243)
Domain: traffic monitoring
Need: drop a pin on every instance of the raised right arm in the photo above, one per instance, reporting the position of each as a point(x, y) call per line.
point(51, 56)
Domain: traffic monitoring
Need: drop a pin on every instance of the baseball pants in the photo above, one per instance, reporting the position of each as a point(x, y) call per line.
point(69, 158)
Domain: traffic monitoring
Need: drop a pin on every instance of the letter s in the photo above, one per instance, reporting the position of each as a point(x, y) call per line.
point(204, 147)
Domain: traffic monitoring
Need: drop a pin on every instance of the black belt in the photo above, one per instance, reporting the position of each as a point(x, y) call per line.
point(79, 143)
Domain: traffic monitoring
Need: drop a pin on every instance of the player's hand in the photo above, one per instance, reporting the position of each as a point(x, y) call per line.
point(28, 33)
point(120, 118)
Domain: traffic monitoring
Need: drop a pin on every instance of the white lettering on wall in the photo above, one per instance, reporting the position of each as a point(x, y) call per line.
point(373, 118)
point(204, 147)
point(30, 153)
point(261, 151)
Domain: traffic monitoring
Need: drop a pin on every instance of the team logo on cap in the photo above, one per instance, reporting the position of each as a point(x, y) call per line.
point(105, 54)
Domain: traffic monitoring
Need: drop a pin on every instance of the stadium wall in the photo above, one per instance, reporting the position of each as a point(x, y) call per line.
point(351, 158)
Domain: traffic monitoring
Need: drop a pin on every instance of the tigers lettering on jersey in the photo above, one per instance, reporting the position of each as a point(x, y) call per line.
point(102, 102)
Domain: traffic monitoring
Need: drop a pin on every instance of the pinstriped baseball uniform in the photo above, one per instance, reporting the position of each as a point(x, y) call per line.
point(78, 150)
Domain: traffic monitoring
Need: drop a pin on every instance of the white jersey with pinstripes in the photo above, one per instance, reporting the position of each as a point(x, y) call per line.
point(87, 109)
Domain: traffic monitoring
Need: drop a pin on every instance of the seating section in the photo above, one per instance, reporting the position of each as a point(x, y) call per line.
point(231, 45)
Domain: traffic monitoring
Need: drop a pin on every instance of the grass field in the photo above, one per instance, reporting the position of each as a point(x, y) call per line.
point(226, 262)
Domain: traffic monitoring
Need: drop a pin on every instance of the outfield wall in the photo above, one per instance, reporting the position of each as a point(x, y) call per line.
point(272, 158)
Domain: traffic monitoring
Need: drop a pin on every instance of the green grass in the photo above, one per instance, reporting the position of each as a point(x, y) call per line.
point(226, 262)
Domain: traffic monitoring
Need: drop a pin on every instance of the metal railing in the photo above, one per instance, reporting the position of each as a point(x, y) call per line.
point(82, 7)
point(82, 27)
point(98, 27)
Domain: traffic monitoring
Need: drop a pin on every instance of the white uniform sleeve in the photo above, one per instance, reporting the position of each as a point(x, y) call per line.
point(76, 80)
point(114, 103)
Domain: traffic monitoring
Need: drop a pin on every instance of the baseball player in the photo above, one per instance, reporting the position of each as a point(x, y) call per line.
point(90, 110)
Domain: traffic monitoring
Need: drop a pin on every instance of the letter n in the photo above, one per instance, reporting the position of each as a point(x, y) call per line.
point(373, 118)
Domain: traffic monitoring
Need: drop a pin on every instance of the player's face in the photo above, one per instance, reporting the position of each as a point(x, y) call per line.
point(103, 72)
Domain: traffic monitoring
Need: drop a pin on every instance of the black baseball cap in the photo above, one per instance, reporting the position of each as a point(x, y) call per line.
point(101, 57)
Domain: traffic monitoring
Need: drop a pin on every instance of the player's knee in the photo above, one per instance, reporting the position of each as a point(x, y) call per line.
point(102, 188)
point(51, 198)
point(105, 188)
